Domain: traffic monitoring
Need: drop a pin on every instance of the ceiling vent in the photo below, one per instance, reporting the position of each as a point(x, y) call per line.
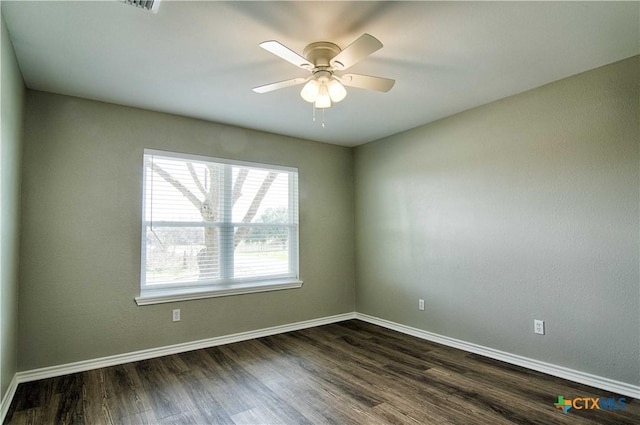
point(150, 5)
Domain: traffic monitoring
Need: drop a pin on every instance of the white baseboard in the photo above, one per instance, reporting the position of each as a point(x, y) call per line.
point(81, 366)
point(600, 382)
point(8, 398)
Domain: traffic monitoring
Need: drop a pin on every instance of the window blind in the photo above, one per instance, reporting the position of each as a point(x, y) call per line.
point(214, 222)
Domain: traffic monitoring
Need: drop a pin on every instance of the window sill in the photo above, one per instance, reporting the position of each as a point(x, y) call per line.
point(174, 295)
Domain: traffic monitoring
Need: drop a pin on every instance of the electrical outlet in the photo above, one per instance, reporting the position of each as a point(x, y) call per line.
point(176, 315)
point(538, 326)
point(420, 304)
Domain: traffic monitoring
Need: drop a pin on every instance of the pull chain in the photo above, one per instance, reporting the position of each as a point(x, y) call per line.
point(313, 106)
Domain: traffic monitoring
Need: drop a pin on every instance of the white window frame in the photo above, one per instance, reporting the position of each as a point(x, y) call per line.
point(155, 294)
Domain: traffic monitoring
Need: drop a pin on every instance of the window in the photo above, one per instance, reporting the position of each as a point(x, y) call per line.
point(214, 227)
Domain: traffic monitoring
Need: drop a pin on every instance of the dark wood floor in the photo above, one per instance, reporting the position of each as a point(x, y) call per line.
point(346, 373)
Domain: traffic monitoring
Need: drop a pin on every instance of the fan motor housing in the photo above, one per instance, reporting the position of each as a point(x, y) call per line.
point(320, 53)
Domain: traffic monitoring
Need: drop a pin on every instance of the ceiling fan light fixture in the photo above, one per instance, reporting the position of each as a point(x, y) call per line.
point(337, 92)
point(310, 91)
point(322, 59)
point(323, 100)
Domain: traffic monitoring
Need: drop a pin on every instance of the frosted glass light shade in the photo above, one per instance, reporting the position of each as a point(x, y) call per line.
point(310, 91)
point(337, 92)
point(323, 100)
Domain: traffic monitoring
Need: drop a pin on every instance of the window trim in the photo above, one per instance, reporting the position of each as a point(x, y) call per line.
point(173, 293)
point(170, 295)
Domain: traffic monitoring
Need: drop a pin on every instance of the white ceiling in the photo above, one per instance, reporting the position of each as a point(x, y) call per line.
point(201, 59)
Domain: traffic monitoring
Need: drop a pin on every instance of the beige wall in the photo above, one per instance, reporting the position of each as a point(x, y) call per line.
point(81, 210)
point(524, 208)
point(12, 94)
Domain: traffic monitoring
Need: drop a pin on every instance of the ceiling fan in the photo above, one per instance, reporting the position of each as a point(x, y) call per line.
point(325, 61)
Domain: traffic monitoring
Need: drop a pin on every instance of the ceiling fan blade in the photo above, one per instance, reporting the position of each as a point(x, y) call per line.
point(367, 82)
point(285, 53)
point(279, 85)
point(356, 51)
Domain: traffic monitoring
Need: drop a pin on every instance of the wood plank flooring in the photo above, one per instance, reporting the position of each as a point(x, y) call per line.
point(346, 373)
